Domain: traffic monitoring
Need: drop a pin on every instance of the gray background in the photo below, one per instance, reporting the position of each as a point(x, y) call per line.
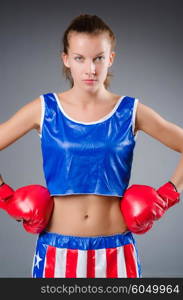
point(148, 66)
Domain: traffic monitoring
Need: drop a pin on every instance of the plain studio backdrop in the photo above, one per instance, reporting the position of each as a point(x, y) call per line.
point(148, 66)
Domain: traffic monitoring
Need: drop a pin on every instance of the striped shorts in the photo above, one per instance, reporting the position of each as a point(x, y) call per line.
point(65, 256)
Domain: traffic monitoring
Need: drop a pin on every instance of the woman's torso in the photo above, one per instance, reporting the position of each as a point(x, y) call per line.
point(86, 215)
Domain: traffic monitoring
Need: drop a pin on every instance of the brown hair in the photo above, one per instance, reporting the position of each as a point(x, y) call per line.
point(90, 24)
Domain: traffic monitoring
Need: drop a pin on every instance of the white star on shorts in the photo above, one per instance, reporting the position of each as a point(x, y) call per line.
point(37, 260)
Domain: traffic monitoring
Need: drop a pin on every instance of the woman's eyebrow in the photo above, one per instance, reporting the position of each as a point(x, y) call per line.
point(95, 55)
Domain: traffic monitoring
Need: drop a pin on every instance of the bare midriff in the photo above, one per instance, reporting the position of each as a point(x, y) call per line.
point(86, 215)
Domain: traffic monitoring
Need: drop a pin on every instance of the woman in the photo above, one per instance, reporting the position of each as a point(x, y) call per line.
point(88, 136)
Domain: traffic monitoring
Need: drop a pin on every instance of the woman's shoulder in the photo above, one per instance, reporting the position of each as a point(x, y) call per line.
point(147, 117)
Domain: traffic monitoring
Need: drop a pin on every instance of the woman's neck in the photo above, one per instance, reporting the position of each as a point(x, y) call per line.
point(85, 98)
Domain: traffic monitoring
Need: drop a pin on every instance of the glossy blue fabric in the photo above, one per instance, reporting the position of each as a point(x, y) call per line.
point(84, 242)
point(87, 158)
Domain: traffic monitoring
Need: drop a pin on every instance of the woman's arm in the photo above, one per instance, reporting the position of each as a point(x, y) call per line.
point(24, 120)
point(164, 131)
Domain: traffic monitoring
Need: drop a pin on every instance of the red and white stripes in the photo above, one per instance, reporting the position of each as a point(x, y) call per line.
point(108, 263)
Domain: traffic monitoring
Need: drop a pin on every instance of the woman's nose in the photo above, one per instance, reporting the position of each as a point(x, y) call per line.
point(90, 68)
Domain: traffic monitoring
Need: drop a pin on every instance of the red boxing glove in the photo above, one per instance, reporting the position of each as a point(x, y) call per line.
point(6, 192)
point(169, 194)
point(141, 205)
point(32, 204)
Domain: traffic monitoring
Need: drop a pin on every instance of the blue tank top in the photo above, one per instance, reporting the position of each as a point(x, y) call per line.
point(87, 157)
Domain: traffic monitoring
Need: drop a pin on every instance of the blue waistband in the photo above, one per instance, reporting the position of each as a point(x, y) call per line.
point(85, 242)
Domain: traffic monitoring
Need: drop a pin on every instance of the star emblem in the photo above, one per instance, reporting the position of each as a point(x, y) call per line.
point(37, 260)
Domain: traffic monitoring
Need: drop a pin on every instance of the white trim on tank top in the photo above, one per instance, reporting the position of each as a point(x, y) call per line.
point(89, 123)
point(133, 118)
point(42, 114)
point(86, 123)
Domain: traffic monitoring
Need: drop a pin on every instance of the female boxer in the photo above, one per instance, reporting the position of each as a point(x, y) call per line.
point(87, 136)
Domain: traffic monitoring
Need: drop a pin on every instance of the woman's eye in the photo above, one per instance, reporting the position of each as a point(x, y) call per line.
point(100, 57)
point(77, 58)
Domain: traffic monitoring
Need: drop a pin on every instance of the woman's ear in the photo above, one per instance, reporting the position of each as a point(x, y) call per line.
point(64, 57)
point(111, 58)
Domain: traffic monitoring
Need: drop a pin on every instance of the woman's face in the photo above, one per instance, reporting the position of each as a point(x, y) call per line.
point(89, 58)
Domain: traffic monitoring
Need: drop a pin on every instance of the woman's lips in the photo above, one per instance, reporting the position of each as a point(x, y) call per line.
point(89, 81)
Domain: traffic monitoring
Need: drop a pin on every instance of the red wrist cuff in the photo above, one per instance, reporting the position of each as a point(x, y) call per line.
point(5, 192)
point(173, 186)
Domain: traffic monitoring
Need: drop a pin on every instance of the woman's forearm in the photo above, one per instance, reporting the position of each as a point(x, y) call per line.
point(177, 177)
point(1, 179)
